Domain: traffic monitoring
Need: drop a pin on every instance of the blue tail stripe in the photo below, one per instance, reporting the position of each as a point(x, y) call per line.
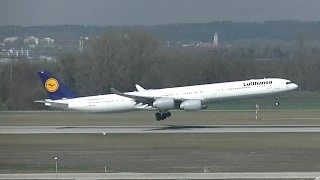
point(55, 88)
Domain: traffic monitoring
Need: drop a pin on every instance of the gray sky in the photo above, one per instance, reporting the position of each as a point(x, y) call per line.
point(150, 12)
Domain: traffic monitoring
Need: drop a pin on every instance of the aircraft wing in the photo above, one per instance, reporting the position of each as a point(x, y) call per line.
point(53, 104)
point(147, 100)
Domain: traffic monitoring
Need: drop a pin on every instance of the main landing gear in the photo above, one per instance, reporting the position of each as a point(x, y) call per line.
point(162, 116)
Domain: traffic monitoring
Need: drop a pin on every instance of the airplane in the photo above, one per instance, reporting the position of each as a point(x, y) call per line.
point(187, 98)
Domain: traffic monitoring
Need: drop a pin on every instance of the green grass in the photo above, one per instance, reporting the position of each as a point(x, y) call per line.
point(291, 101)
point(235, 152)
point(286, 117)
point(238, 152)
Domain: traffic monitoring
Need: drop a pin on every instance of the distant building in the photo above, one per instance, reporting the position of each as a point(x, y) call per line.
point(31, 40)
point(13, 42)
point(10, 39)
point(47, 41)
point(15, 53)
point(32, 46)
point(47, 58)
point(82, 41)
point(215, 39)
point(187, 45)
point(205, 45)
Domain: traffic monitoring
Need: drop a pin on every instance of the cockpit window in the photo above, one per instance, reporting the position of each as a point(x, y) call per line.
point(288, 82)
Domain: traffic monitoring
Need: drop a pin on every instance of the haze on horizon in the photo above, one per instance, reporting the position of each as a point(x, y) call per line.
point(152, 12)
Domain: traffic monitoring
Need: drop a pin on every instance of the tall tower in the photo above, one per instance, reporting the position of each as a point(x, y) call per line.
point(215, 39)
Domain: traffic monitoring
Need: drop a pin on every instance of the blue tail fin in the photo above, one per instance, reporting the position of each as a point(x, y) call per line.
point(55, 88)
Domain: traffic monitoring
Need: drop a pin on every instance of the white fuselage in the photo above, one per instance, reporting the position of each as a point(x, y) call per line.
point(208, 93)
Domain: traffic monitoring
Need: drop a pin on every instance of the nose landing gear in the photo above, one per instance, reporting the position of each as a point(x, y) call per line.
point(277, 102)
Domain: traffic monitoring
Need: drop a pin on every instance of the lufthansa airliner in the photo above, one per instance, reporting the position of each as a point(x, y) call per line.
point(187, 98)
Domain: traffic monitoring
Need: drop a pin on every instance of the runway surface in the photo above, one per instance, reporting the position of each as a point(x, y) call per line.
point(159, 129)
point(248, 175)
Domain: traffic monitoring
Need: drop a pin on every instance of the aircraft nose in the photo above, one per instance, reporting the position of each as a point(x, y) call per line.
point(294, 86)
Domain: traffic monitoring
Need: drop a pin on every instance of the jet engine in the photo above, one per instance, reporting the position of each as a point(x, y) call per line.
point(192, 105)
point(164, 103)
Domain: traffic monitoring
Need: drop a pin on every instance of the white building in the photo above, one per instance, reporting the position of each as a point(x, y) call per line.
point(10, 39)
point(31, 40)
point(15, 53)
point(47, 41)
point(47, 58)
point(215, 39)
point(82, 41)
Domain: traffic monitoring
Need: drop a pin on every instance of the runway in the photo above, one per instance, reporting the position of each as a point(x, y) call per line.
point(159, 129)
point(93, 176)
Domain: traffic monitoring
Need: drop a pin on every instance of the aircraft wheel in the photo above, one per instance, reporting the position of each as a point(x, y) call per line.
point(164, 116)
point(158, 116)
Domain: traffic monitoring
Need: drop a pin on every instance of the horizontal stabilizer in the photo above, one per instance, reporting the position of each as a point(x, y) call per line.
point(53, 104)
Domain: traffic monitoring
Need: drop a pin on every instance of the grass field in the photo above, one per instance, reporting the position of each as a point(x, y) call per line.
point(285, 117)
point(235, 152)
point(291, 101)
point(247, 152)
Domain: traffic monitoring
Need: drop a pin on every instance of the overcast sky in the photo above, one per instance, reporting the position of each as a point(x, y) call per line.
point(150, 12)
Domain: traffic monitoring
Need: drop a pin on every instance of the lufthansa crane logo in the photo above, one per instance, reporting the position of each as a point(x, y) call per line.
point(52, 85)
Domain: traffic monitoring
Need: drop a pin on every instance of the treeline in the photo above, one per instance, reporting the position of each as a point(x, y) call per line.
point(232, 31)
point(123, 59)
point(228, 31)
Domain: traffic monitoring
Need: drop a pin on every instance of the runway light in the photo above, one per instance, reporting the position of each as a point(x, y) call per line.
point(56, 158)
point(104, 133)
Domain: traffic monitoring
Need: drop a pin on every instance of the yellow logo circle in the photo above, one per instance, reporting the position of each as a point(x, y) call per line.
point(52, 85)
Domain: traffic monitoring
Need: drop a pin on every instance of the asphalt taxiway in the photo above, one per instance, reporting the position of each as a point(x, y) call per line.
point(159, 129)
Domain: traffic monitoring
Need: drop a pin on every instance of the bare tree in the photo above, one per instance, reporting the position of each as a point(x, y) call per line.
point(300, 50)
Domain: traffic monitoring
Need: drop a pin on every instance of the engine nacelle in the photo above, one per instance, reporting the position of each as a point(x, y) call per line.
point(192, 105)
point(164, 103)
